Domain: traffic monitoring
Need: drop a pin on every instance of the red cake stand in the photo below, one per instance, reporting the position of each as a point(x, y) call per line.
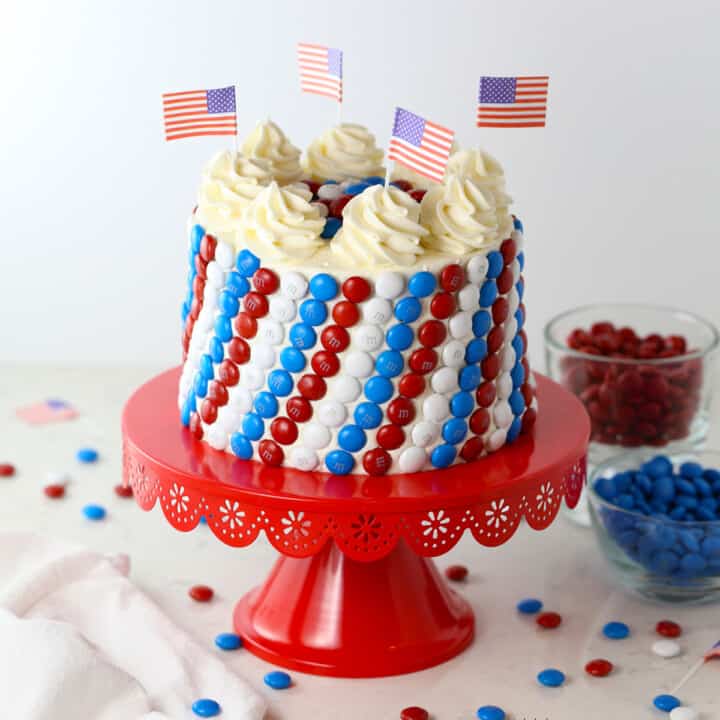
point(355, 593)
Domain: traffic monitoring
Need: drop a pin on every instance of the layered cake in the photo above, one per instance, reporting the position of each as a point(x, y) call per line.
point(337, 324)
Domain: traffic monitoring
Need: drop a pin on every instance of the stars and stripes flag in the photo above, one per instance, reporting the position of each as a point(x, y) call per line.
point(199, 112)
point(713, 652)
point(420, 144)
point(320, 70)
point(512, 102)
point(46, 412)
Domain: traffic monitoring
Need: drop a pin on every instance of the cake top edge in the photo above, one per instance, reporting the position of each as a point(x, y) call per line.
point(330, 206)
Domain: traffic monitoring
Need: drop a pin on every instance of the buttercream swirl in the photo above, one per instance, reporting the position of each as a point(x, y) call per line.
point(380, 227)
point(229, 184)
point(460, 216)
point(342, 152)
point(281, 224)
point(484, 170)
point(268, 143)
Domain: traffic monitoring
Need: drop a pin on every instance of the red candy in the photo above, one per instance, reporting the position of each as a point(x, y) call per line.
point(599, 667)
point(198, 286)
point(337, 205)
point(528, 420)
point(345, 313)
point(356, 289)
point(299, 409)
point(312, 186)
point(401, 411)
point(218, 393)
point(123, 491)
point(54, 491)
point(403, 185)
point(548, 620)
point(201, 593)
point(411, 385)
point(485, 394)
point(500, 310)
point(668, 628)
point(6, 470)
point(196, 426)
point(284, 431)
point(414, 713)
point(325, 364)
point(256, 305)
point(390, 437)
point(505, 281)
point(207, 248)
point(200, 267)
point(423, 361)
point(452, 278)
point(417, 194)
point(228, 373)
point(238, 350)
point(495, 339)
point(377, 461)
point(266, 281)
point(432, 333)
point(480, 421)
point(270, 452)
point(490, 367)
point(456, 573)
point(508, 250)
point(312, 387)
point(442, 306)
point(335, 338)
point(246, 325)
point(208, 411)
point(471, 449)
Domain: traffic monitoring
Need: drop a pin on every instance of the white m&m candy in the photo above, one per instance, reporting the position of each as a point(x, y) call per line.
point(216, 437)
point(444, 380)
point(496, 440)
point(331, 413)
point(477, 269)
point(303, 458)
point(270, 331)
point(241, 398)
point(412, 459)
point(377, 310)
point(358, 364)
point(282, 309)
point(215, 274)
point(504, 386)
point(424, 433)
point(666, 648)
point(224, 255)
point(469, 298)
point(502, 414)
point(345, 389)
point(368, 337)
point(315, 436)
point(293, 285)
point(508, 358)
point(453, 354)
point(252, 376)
point(436, 408)
point(389, 284)
point(263, 356)
point(461, 325)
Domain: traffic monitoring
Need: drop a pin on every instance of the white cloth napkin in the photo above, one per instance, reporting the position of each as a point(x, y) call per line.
point(79, 640)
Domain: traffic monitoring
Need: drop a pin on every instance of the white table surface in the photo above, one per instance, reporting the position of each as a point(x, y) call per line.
point(561, 566)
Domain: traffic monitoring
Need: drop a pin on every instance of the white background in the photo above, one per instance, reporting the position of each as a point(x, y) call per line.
point(617, 193)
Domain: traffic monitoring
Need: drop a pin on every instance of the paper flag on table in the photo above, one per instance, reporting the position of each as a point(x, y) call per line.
point(321, 70)
point(49, 411)
point(512, 102)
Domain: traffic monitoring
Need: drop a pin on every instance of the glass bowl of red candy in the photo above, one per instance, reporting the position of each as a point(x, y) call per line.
point(643, 373)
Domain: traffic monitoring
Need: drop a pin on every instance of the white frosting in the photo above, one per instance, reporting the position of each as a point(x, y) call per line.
point(281, 224)
point(268, 143)
point(344, 151)
point(380, 227)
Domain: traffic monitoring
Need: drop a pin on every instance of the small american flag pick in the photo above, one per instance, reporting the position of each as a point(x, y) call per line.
point(200, 112)
point(46, 412)
point(420, 145)
point(713, 652)
point(321, 70)
point(512, 102)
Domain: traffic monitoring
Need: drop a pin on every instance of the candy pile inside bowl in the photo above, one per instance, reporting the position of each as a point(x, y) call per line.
point(658, 523)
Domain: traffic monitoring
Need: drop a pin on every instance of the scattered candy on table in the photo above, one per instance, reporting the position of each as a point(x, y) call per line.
point(57, 478)
point(548, 620)
point(668, 628)
point(684, 713)
point(87, 455)
point(414, 713)
point(123, 491)
point(666, 648)
point(205, 707)
point(551, 677)
point(616, 630)
point(278, 680)
point(201, 593)
point(491, 712)
point(599, 667)
point(529, 606)
point(228, 641)
point(666, 703)
point(7, 470)
point(57, 491)
point(456, 573)
point(94, 512)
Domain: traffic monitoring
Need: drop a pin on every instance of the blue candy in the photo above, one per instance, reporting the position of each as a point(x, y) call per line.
point(185, 413)
point(491, 712)
point(685, 486)
point(280, 382)
point(389, 363)
point(313, 312)
point(481, 323)
point(517, 224)
point(185, 311)
point(488, 294)
point(223, 328)
point(689, 502)
point(399, 337)
point(469, 377)
point(236, 284)
point(292, 360)
point(228, 641)
point(495, 264)
point(476, 350)
point(517, 374)
point(462, 404)
point(197, 233)
point(517, 402)
point(302, 336)
point(368, 415)
point(94, 512)
point(247, 263)
point(217, 351)
point(422, 284)
point(712, 475)
point(551, 678)
point(252, 426)
point(205, 707)
point(266, 404)
point(200, 386)
point(87, 455)
point(703, 487)
point(206, 367)
point(691, 470)
point(664, 562)
point(626, 501)
point(529, 606)
point(666, 703)
point(241, 446)
point(514, 430)
point(693, 563)
point(454, 431)
point(521, 261)
point(332, 225)
point(658, 466)
point(339, 462)
point(665, 488)
point(356, 188)
point(442, 456)
point(378, 389)
point(616, 630)
point(277, 680)
point(711, 546)
point(352, 438)
point(519, 318)
point(408, 309)
point(323, 286)
point(228, 303)
point(606, 488)
point(374, 180)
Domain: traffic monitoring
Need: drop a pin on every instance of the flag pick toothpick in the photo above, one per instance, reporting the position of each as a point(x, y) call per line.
point(711, 654)
point(419, 144)
point(195, 113)
point(321, 71)
point(512, 102)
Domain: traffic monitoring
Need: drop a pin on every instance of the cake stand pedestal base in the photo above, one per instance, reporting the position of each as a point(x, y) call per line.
point(330, 615)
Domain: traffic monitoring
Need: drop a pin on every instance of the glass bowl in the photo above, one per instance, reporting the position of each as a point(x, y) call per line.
point(655, 556)
point(660, 402)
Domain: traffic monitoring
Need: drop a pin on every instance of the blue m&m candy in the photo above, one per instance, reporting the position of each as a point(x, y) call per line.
point(666, 703)
point(514, 430)
point(374, 180)
point(488, 293)
point(476, 350)
point(517, 225)
point(551, 677)
point(277, 680)
point(236, 284)
point(87, 455)
point(529, 606)
point(339, 462)
point(517, 402)
point(469, 377)
point(356, 188)
point(247, 263)
point(200, 385)
point(378, 389)
point(197, 233)
point(490, 712)
point(442, 456)
point(206, 366)
point(352, 438)
point(313, 312)
point(266, 404)
point(408, 309)
point(389, 363)
point(616, 630)
point(206, 707)
point(368, 415)
point(302, 336)
point(481, 323)
point(94, 512)
point(241, 446)
point(228, 641)
point(280, 382)
point(422, 284)
point(216, 349)
point(462, 404)
point(332, 225)
point(252, 426)
point(292, 359)
point(323, 287)
point(454, 431)
point(495, 264)
point(228, 303)
point(223, 328)
point(399, 337)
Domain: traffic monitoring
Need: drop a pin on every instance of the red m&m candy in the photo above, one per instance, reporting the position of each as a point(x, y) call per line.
point(668, 628)
point(246, 325)
point(508, 250)
point(256, 305)
point(456, 573)
point(390, 437)
point(471, 449)
point(325, 364)
point(284, 431)
point(495, 339)
point(423, 361)
point(54, 491)
point(485, 394)
point(208, 411)
point(123, 491)
point(500, 310)
point(299, 409)
point(505, 281)
point(218, 393)
point(401, 411)
point(345, 313)
point(337, 205)
point(599, 667)
point(6, 470)
point(238, 350)
point(312, 387)
point(377, 461)
point(356, 289)
point(208, 246)
point(196, 426)
point(442, 306)
point(452, 278)
point(411, 385)
point(266, 281)
point(414, 712)
point(270, 452)
point(228, 373)
point(335, 338)
point(548, 620)
point(432, 333)
point(201, 593)
point(490, 366)
point(480, 421)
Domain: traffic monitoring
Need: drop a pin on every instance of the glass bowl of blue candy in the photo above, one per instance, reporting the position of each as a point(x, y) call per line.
point(657, 519)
